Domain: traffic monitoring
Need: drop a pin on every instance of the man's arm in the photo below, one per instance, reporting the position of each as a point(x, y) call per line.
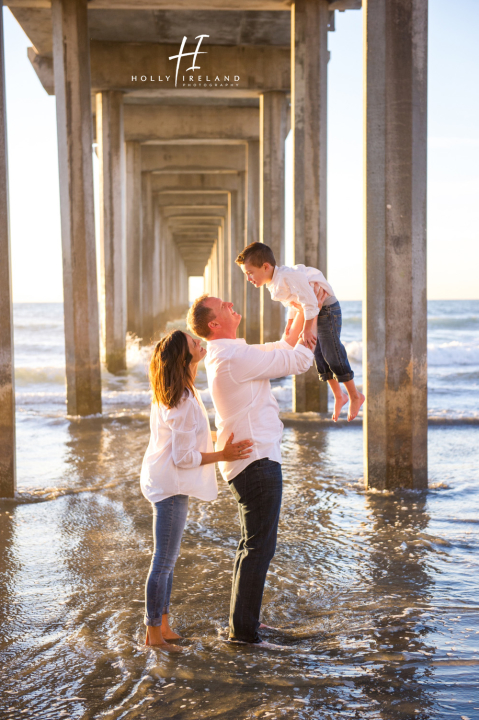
point(252, 363)
point(291, 338)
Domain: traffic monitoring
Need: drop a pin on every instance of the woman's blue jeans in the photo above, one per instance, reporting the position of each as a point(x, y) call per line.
point(169, 520)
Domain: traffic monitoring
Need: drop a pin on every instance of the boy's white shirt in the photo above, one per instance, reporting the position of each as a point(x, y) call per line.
point(295, 284)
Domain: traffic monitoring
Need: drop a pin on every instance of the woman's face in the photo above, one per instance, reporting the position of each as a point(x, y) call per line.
point(195, 349)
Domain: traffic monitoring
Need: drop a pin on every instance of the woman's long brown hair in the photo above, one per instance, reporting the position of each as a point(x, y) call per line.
point(170, 369)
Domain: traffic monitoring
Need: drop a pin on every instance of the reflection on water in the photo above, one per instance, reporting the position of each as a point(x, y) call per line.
point(376, 594)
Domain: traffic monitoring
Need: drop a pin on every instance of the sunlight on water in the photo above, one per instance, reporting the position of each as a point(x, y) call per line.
point(376, 594)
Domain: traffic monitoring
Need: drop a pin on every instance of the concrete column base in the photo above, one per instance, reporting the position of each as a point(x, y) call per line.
point(309, 393)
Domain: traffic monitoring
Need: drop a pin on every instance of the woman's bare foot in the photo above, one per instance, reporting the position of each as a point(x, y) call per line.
point(339, 402)
point(166, 631)
point(355, 405)
point(154, 637)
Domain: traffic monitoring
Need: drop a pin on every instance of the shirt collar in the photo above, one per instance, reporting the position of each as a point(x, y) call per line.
point(226, 341)
point(275, 274)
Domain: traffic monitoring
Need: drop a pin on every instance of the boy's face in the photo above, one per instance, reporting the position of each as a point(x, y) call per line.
point(258, 275)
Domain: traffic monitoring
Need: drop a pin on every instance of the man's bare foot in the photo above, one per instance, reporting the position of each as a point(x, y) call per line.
point(355, 406)
point(339, 402)
point(154, 637)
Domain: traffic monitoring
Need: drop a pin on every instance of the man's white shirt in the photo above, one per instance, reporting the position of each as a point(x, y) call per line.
point(238, 378)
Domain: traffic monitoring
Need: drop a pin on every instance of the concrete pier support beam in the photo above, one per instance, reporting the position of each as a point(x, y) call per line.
point(309, 63)
point(395, 311)
point(133, 237)
point(252, 295)
point(71, 56)
point(147, 251)
point(109, 121)
point(239, 240)
point(273, 123)
point(7, 380)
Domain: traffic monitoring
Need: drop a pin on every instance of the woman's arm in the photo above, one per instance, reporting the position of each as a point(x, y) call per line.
point(231, 451)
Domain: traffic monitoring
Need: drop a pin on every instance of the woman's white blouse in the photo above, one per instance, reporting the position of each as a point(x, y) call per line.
point(171, 465)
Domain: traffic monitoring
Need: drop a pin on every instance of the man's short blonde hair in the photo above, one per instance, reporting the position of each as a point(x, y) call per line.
point(199, 315)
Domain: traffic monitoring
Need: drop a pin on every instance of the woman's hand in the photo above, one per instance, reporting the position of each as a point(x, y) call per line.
point(236, 451)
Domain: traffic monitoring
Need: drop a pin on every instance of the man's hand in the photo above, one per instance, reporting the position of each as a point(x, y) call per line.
point(309, 338)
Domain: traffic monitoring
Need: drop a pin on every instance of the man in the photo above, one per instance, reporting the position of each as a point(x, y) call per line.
point(238, 378)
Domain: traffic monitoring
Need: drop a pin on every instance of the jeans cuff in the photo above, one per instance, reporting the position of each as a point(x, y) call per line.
point(154, 622)
point(255, 641)
point(345, 378)
point(324, 377)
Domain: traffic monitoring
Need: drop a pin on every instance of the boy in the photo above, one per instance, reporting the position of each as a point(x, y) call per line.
point(307, 287)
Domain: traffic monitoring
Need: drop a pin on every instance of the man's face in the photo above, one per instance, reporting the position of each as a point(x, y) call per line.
point(226, 320)
point(258, 276)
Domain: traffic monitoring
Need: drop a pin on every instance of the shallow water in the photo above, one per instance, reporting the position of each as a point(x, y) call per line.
point(376, 594)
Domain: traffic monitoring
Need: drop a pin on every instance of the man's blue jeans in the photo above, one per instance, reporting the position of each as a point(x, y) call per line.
point(258, 491)
point(169, 520)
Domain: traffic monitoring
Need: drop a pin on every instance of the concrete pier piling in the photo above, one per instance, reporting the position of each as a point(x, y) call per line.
point(7, 380)
point(252, 308)
point(71, 56)
point(273, 124)
point(147, 250)
point(309, 69)
point(133, 237)
point(111, 151)
point(395, 310)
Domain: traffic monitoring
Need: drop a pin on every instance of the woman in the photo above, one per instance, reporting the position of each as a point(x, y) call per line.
point(179, 462)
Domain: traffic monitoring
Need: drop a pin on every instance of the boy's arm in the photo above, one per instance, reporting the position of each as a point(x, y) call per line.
point(298, 284)
point(310, 332)
point(295, 328)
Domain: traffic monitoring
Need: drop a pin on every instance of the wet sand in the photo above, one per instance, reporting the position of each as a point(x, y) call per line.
point(376, 594)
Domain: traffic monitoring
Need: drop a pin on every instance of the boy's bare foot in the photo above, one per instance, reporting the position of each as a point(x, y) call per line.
point(339, 402)
point(355, 406)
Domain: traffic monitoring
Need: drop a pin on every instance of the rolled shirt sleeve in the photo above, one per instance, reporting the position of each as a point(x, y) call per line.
point(182, 423)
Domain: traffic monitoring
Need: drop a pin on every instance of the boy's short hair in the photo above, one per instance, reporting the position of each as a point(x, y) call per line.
point(199, 315)
point(256, 254)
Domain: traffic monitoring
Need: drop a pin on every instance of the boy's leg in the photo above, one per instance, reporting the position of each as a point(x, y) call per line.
point(334, 352)
point(326, 375)
point(340, 398)
point(356, 399)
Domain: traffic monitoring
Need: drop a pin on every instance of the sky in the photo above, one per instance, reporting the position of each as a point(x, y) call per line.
point(453, 161)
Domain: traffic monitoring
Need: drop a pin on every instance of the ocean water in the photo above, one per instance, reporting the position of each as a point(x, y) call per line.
point(376, 595)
